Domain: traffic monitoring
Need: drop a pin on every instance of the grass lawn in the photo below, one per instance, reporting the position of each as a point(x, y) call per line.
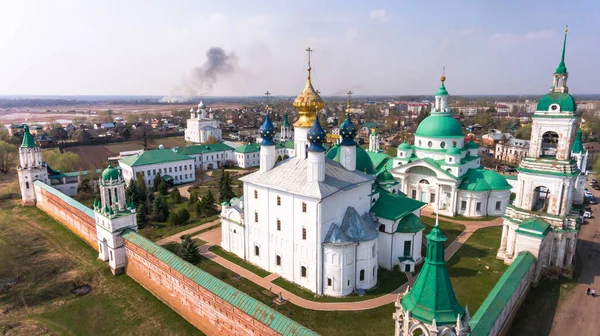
point(371, 322)
point(48, 261)
point(451, 230)
point(239, 261)
point(471, 280)
point(388, 281)
point(163, 230)
point(471, 219)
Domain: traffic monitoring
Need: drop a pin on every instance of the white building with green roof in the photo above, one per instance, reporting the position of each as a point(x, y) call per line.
point(209, 156)
point(541, 219)
point(169, 163)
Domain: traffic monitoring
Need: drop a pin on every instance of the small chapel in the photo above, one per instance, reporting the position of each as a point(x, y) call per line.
point(202, 125)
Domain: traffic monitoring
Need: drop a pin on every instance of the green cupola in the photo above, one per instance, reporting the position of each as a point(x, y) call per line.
point(562, 68)
point(432, 296)
point(28, 141)
point(110, 173)
point(286, 122)
point(578, 144)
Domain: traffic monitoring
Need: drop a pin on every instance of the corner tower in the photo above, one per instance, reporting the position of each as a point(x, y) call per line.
point(31, 167)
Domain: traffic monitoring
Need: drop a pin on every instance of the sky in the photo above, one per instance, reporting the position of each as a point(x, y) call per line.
point(150, 47)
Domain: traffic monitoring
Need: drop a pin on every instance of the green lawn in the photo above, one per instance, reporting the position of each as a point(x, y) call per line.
point(239, 261)
point(158, 230)
point(471, 219)
point(388, 281)
point(48, 261)
point(451, 230)
point(471, 280)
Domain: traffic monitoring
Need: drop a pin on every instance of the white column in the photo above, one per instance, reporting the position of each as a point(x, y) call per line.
point(316, 166)
point(300, 141)
point(268, 156)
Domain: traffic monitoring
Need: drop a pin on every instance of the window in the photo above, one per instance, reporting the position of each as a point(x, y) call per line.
point(278, 260)
point(382, 227)
point(329, 282)
point(278, 225)
point(362, 275)
point(278, 200)
point(255, 217)
point(256, 250)
point(303, 207)
point(373, 251)
point(463, 205)
point(498, 205)
point(303, 271)
point(442, 144)
point(111, 257)
point(432, 198)
point(419, 143)
point(303, 233)
point(153, 171)
point(255, 194)
point(478, 207)
point(170, 169)
point(348, 282)
point(429, 144)
point(449, 159)
point(27, 185)
point(374, 270)
point(414, 194)
point(160, 170)
point(407, 248)
point(190, 167)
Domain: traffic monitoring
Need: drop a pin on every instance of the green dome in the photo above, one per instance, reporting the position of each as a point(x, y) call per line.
point(385, 177)
point(483, 180)
point(110, 173)
point(363, 160)
point(453, 151)
point(564, 100)
point(404, 146)
point(471, 145)
point(440, 125)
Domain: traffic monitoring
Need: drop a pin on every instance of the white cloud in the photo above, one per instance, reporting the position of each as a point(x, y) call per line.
point(379, 14)
point(506, 38)
point(351, 34)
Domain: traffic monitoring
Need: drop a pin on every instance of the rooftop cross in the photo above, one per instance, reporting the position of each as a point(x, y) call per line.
point(267, 94)
point(309, 50)
point(348, 101)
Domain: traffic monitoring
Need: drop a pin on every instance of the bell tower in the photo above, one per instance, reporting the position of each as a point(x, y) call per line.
point(31, 167)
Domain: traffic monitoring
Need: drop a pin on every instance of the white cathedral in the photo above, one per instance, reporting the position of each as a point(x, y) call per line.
point(324, 225)
point(202, 125)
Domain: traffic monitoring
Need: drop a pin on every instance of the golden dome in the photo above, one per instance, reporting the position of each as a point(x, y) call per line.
point(308, 103)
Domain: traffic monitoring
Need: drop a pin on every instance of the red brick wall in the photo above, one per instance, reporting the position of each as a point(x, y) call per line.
point(81, 224)
point(200, 307)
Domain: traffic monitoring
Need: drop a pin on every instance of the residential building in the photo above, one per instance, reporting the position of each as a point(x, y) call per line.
point(175, 167)
point(210, 156)
point(511, 150)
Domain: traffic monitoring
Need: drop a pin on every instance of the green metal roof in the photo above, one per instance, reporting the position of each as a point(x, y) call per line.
point(564, 100)
point(286, 123)
point(110, 173)
point(248, 148)
point(432, 296)
point(28, 141)
point(404, 146)
point(534, 227)
point(153, 156)
point(363, 160)
point(377, 158)
point(369, 125)
point(483, 180)
point(562, 68)
point(577, 144)
point(440, 125)
point(70, 201)
point(289, 144)
point(471, 144)
point(393, 207)
point(435, 164)
point(385, 177)
point(410, 224)
point(257, 310)
point(442, 90)
point(453, 151)
point(203, 149)
point(494, 304)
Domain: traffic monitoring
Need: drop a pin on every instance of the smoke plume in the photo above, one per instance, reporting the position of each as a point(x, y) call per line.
point(219, 64)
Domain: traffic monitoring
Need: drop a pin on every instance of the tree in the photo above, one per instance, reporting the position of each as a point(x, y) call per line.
point(8, 156)
point(422, 115)
point(141, 215)
point(65, 162)
point(132, 193)
point(279, 158)
point(83, 136)
point(58, 133)
point(524, 132)
point(188, 250)
point(225, 190)
point(157, 181)
point(285, 156)
point(484, 119)
point(175, 195)
point(207, 204)
point(211, 140)
point(144, 134)
point(141, 184)
point(160, 209)
point(193, 198)
point(163, 189)
point(178, 217)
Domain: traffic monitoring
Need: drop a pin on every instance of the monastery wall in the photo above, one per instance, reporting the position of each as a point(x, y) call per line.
point(70, 213)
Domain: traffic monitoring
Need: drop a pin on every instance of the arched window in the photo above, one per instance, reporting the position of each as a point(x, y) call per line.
point(303, 271)
point(442, 144)
point(303, 207)
point(362, 275)
point(424, 181)
point(303, 233)
point(278, 200)
point(255, 194)
point(278, 225)
point(429, 144)
point(255, 217)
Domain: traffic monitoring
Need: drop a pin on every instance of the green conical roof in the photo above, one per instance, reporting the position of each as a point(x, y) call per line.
point(562, 68)
point(432, 296)
point(577, 145)
point(286, 123)
point(442, 90)
point(28, 141)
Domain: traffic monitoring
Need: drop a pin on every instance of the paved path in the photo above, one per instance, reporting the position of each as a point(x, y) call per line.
point(176, 238)
point(213, 237)
point(577, 314)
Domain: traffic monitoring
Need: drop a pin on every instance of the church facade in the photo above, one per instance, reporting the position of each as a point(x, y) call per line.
point(202, 125)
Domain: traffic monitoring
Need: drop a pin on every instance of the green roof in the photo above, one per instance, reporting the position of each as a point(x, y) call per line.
point(248, 148)
point(393, 207)
point(562, 68)
point(453, 151)
point(499, 297)
point(410, 224)
point(153, 156)
point(564, 100)
point(28, 141)
point(442, 90)
point(435, 164)
point(110, 173)
point(432, 296)
point(377, 158)
point(534, 227)
point(404, 146)
point(369, 125)
point(289, 144)
point(440, 125)
point(471, 144)
point(385, 177)
point(483, 180)
point(363, 160)
point(286, 122)
point(577, 144)
point(254, 308)
point(202, 149)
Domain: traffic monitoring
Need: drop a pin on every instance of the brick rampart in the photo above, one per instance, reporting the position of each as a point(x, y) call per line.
point(74, 219)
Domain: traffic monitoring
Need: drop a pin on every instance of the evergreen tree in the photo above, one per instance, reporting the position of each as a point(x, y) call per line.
point(197, 208)
point(133, 193)
point(178, 217)
point(225, 190)
point(175, 195)
point(208, 204)
point(141, 184)
point(188, 250)
point(157, 181)
point(163, 189)
point(160, 209)
point(142, 215)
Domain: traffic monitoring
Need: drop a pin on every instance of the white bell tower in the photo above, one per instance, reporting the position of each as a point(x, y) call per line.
point(31, 167)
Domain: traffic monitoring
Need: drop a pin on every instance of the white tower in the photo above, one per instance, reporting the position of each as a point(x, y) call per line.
point(113, 216)
point(374, 141)
point(31, 167)
point(347, 135)
point(316, 153)
point(287, 132)
point(268, 152)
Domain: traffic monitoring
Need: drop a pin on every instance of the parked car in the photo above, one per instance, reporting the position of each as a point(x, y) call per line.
point(593, 181)
point(595, 186)
point(587, 214)
point(592, 200)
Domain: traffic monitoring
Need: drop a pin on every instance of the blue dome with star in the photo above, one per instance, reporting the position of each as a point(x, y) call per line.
point(347, 132)
point(316, 136)
point(267, 132)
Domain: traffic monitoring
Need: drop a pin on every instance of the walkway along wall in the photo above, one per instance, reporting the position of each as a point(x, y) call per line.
point(211, 305)
point(495, 315)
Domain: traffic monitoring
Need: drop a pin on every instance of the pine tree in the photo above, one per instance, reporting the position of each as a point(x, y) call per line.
point(225, 190)
point(175, 195)
point(197, 208)
point(157, 181)
point(160, 209)
point(208, 203)
point(188, 250)
point(133, 193)
point(142, 215)
point(193, 198)
point(163, 189)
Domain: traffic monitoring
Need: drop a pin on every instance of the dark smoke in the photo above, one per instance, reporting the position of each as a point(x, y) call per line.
point(218, 64)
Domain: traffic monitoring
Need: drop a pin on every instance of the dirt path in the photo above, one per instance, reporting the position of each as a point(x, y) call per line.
point(176, 238)
point(577, 314)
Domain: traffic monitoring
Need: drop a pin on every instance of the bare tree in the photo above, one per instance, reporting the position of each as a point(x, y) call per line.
point(144, 134)
point(8, 156)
